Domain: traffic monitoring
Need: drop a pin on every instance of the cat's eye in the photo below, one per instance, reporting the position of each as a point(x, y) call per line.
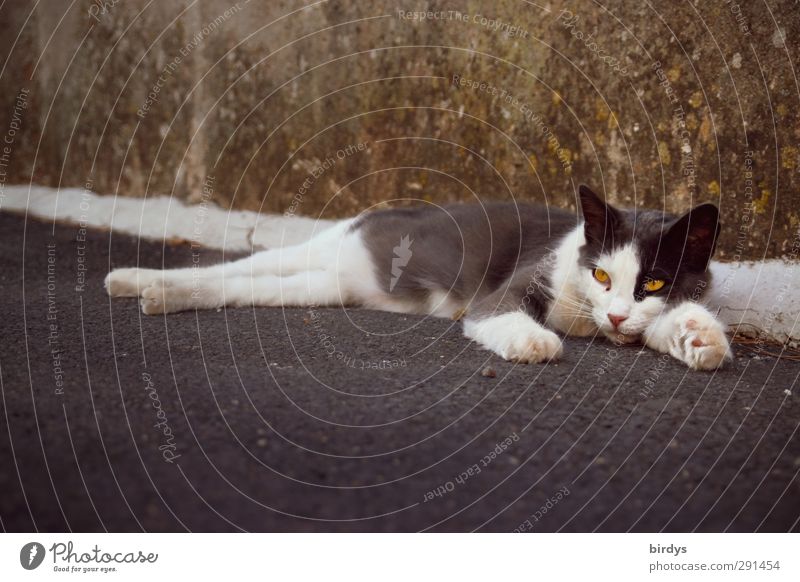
point(601, 276)
point(652, 285)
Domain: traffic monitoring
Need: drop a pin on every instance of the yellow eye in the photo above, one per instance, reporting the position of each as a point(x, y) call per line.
point(653, 285)
point(601, 275)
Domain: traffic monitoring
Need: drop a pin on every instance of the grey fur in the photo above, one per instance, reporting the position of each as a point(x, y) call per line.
point(468, 250)
point(496, 257)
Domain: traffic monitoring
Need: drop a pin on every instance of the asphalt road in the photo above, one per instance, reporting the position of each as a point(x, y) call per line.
point(343, 420)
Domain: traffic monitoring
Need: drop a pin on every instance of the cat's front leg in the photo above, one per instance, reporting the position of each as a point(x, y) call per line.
point(514, 336)
point(692, 334)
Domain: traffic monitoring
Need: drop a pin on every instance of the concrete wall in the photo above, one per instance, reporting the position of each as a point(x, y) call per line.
point(333, 108)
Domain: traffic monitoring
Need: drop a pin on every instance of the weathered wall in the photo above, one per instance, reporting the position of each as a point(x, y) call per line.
point(665, 104)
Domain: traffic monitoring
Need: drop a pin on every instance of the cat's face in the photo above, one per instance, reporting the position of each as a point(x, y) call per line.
point(635, 263)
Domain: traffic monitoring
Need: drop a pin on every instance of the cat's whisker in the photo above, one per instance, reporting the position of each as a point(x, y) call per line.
point(578, 314)
point(584, 305)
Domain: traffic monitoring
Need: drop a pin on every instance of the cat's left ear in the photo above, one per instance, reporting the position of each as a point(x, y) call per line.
point(694, 237)
point(600, 219)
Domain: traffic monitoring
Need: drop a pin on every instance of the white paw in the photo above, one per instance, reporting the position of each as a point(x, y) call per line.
point(540, 346)
point(159, 298)
point(129, 282)
point(699, 340)
point(516, 337)
point(121, 283)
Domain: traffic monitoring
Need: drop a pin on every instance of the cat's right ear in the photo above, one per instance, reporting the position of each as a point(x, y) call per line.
point(600, 219)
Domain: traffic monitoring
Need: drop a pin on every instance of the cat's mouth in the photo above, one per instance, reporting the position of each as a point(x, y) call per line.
point(623, 338)
point(620, 335)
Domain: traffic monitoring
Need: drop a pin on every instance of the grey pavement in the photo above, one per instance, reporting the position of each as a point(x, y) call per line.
point(356, 420)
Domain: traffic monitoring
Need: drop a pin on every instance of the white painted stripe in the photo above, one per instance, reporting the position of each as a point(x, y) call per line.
point(161, 217)
point(761, 295)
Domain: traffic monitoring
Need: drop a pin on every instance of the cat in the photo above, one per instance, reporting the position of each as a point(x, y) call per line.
point(515, 273)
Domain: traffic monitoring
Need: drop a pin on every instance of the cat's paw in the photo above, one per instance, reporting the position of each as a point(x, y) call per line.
point(122, 283)
point(515, 337)
point(129, 282)
point(153, 300)
point(160, 298)
point(699, 340)
point(540, 346)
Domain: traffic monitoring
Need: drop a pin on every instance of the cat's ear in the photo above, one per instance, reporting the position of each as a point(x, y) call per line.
point(693, 236)
point(600, 219)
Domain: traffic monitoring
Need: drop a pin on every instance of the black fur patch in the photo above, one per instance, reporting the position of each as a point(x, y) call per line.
point(674, 249)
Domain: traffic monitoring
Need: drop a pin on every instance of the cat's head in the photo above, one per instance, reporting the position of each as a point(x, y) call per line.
point(636, 262)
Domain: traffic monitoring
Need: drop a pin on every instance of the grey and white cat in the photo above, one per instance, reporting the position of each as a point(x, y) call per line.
point(517, 273)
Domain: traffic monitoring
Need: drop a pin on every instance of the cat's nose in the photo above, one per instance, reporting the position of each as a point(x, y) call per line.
point(616, 320)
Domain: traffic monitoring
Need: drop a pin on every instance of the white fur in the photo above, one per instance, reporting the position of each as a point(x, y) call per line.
point(688, 332)
point(568, 313)
point(583, 304)
point(617, 296)
point(442, 304)
point(335, 268)
point(692, 334)
point(515, 336)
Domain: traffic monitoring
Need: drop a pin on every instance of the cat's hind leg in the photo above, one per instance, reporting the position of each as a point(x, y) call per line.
point(314, 254)
point(301, 289)
point(133, 281)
